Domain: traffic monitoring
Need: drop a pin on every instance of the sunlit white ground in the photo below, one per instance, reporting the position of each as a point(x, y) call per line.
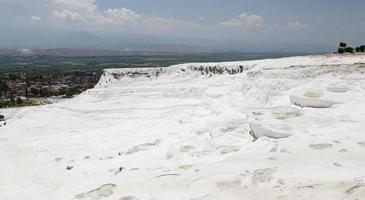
point(184, 134)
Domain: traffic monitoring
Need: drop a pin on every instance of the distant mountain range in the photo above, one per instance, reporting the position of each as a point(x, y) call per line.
point(83, 52)
point(124, 44)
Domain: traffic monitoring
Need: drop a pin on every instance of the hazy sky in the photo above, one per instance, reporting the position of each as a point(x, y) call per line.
point(222, 23)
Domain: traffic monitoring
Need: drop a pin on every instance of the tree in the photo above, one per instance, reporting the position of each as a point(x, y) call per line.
point(349, 50)
point(44, 92)
point(70, 92)
point(12, 100)
point(343, 45)
point(19, 101)
point(34, 92)
point(3, 86)
point(2, 103)
point(62, 91)
point(362, 48)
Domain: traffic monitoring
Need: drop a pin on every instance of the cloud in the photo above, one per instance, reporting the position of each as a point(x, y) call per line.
point(122, 14)
point(91, 18)
point(89, 11)
point(78, 10)
point(245, 20)
point(295, 26)
point(35, 19)
point(119, 19)
point(257, 24)
point(68, 15)
point(88, 5)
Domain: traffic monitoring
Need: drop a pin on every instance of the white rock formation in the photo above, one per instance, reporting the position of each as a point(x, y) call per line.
point(182, 133)
point(311, 102)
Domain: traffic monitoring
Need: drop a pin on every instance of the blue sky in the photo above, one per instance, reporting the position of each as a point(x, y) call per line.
point(301, 24)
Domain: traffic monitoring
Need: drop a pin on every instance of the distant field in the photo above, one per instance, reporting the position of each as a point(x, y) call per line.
point(53, 64)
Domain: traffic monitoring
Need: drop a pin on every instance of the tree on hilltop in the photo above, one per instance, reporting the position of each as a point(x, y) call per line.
point(360, 48)
point(349, 50)
point(343, 44)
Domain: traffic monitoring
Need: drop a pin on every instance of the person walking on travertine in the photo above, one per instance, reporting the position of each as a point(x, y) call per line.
point(2, 120)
